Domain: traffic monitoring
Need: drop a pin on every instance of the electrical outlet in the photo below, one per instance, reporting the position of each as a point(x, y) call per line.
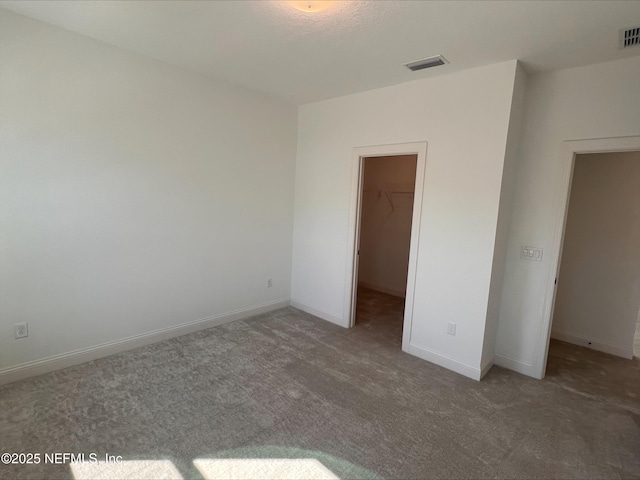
point(21, 330)
point(451, 328)
point(269, 282)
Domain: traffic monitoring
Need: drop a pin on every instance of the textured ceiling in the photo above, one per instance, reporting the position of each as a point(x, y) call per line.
point(268, 46)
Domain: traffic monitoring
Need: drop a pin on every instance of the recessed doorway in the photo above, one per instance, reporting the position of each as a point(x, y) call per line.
point(572, 152)
point(388, 188)
point(598, 295)
point(598, 292)
point(386, 224)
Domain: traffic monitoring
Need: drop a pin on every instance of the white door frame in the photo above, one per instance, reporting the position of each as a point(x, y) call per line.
point(353, 242)
point(567, 158)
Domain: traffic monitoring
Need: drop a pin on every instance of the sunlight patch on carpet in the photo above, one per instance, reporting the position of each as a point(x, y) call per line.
point(128, 469)
point(263, 469)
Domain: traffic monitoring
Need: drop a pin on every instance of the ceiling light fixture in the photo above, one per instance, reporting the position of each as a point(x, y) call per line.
point(310, 5)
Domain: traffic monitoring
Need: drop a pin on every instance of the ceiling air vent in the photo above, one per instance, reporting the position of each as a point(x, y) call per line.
point(630, 37)
point(426, 63)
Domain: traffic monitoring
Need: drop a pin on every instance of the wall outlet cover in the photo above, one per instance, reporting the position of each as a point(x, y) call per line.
point(21, 330)
point(451, 328)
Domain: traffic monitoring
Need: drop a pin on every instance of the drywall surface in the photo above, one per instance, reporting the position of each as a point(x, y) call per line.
point(598, 296)
point(596, 101)
point(385, 225)
point(504, 219)
point(134, 196)
point(464, 117)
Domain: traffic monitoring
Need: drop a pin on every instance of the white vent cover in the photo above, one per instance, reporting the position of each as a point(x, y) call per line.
point(426, 63)
point(630, 37)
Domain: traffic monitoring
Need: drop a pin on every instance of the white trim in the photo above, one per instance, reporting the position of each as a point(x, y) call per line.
point(396, 292)
point(486, 367)
point(415, 148)
point(353, 242)
point(515, 365)
point(82, 355)
point(329, 317)
point(569, 150)
point(413, 246)
point(593, 344)
point(442, 360)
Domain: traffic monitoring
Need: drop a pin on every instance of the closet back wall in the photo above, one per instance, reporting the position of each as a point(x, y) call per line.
point(385, 232)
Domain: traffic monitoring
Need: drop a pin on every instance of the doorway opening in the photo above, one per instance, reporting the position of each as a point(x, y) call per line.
point(593, 295)
point(598, 292)
point(386, 209)
point(385, 221)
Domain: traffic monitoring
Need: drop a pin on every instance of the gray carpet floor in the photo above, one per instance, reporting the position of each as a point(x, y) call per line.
point(288, 385)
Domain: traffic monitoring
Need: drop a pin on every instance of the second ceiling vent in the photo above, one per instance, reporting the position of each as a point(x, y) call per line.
point(426, 63)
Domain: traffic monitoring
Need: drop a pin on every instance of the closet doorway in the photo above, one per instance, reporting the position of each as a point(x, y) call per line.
point(386, 228)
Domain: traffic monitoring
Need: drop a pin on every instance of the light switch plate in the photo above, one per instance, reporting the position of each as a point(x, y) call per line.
point(531, 253)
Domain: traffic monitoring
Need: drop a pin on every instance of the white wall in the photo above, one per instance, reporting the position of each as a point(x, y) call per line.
point(385, 225)
point(598, 296)
point(504, 218)
point(134, 196)
point(464, 117)
point(596, 101)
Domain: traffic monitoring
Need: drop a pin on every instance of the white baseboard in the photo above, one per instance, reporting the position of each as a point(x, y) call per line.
point(515, 365)
point(444, 361)
point(486, 367)
point(75, 357)
point(593, 344)
point(329, 317)
point(396, 292)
